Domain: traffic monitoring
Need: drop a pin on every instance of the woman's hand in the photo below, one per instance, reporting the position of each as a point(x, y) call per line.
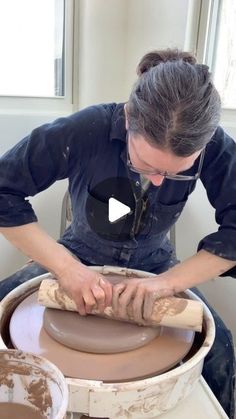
point(140, 295)
point(89, 289)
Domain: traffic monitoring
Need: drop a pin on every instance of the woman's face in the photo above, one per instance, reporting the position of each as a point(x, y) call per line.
point(147, 158)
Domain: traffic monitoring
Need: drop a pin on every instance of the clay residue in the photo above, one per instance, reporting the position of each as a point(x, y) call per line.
point(37, 389)
point(5, 378)
point(39, 395)
point(7, 369)
point(168, 307)
point(59, 297)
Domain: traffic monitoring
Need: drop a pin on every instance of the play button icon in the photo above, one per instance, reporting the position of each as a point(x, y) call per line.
point(111, 209)
point(117, 210)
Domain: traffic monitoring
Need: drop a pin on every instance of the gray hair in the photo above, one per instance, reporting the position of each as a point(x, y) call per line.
point(174, 104)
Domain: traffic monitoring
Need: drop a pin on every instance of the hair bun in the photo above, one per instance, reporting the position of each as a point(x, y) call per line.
point(153, 58)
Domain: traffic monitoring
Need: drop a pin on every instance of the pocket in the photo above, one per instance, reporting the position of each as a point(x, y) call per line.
point(165, 216)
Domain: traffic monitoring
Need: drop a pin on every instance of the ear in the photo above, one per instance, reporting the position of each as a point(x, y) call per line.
point(126, 117)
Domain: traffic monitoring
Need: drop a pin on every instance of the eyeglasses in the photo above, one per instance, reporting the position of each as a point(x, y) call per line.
point(166, 174)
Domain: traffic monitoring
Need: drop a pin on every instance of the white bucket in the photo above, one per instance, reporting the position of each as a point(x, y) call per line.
point(33, 381)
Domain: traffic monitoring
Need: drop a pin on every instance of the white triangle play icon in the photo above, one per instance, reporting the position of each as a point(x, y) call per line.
point(116, 210)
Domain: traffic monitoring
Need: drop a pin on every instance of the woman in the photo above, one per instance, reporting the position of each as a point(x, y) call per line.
point(160, 143)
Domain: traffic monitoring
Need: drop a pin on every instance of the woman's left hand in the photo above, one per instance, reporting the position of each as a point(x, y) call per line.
point(140, 295)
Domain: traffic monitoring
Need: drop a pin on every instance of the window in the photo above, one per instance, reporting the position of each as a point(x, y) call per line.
point(224, 57)
point(32, 44)
point(217, 46)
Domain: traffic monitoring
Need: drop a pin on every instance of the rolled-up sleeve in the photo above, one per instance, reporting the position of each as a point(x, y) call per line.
point(219, 179)
point(31, 166)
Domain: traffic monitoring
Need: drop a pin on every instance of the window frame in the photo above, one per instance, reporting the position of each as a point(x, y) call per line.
point(61, 104)
point(206, 40)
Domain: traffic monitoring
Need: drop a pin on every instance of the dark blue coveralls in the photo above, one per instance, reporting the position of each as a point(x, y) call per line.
point(88, 148)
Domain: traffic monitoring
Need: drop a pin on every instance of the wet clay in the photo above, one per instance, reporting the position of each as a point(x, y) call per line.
point(95, 334)
point(159, 355)
point(17, 410)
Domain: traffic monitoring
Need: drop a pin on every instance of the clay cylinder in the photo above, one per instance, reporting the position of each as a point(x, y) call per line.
point(170, 312)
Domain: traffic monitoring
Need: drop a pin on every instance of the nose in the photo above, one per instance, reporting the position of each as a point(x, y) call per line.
point(156, 179)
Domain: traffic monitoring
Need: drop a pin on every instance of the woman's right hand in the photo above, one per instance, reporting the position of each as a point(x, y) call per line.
point(89, 289)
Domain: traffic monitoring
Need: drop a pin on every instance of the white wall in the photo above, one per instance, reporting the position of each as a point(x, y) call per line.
point(103, 37)
point(153, 25)
point(115, 34)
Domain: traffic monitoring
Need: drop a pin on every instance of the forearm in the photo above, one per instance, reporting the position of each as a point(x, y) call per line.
point(86, 287)
point(199, 268)
point(35, 243)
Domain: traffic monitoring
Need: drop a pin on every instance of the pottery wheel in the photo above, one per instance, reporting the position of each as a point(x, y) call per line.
point(162, 353)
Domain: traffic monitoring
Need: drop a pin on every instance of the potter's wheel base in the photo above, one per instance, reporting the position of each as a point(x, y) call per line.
point(158, 356)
